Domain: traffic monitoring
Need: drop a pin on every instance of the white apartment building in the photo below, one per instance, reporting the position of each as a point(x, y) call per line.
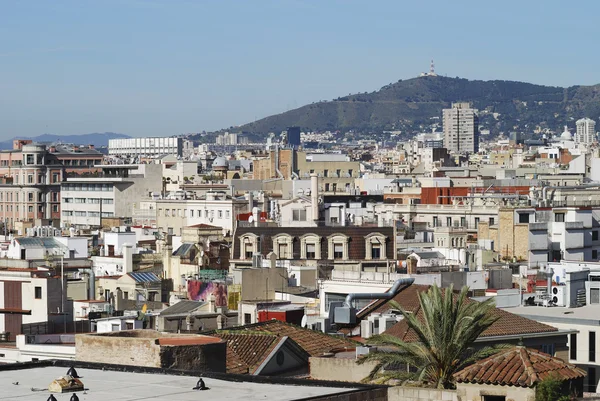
point(215, 208)
point(461, 128)
point(145, 147)
point(586, 131)
point(116, 192)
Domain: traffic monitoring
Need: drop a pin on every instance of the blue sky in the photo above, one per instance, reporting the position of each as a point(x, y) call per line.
point(165, 67)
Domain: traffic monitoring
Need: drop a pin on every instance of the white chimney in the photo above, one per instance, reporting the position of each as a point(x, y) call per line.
point(127, 258)
point(255, 216)
point(314, 196)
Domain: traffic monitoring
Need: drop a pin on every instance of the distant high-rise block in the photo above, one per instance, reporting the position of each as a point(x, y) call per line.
point(461, 128)
point(586, 131)
point(293, 137)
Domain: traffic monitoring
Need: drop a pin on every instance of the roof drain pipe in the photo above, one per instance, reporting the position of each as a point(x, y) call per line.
point(346, 314)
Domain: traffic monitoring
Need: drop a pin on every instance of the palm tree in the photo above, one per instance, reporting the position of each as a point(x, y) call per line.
point(446, 326)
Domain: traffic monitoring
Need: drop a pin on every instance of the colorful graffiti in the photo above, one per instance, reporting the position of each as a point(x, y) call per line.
point(202, 290)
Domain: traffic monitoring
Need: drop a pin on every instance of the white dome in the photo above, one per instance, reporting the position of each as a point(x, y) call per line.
point(220, 162)
point(566, 135)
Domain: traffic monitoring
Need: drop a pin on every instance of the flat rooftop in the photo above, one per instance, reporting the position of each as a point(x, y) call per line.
point(588, 314)
point(102, 385)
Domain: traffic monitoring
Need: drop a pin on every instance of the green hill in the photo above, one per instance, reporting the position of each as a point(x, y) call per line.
point(411, 104)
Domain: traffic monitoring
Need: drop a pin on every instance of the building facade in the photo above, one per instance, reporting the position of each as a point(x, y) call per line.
point(586, 131)
point(145, 147)
point(461, 128)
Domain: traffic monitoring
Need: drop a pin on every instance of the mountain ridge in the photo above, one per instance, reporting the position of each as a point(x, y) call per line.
point(415, 103)
point(96, 139)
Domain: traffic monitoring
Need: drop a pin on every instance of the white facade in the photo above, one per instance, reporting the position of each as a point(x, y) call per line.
point(118, 193)
point(39, 347)
point(118, 323)
point(586, 131)
point(145, 147)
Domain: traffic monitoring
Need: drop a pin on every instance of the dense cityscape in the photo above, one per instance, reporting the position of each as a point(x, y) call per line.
point(436, 239)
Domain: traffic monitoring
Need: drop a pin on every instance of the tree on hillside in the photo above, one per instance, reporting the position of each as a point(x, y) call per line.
point(447, 326)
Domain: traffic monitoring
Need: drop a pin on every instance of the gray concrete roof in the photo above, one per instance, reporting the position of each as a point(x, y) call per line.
point(588, 314)
point(127, 386)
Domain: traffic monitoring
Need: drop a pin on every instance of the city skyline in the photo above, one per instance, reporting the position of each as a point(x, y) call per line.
point(156, 68)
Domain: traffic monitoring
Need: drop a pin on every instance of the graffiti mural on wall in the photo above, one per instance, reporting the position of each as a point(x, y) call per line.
point(202, 290)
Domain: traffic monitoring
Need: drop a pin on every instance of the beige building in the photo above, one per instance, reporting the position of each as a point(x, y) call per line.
point(461, 128)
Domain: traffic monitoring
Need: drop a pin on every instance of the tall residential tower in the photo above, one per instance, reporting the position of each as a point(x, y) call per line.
point(461, 128)
point(586, 131)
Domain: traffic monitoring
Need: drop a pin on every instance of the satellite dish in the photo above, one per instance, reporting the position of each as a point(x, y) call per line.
point(251, 219)
point(304, 321)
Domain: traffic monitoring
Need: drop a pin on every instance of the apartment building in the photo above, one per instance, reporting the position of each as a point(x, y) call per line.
point(116, 191)
point(30, 296)
point(214, 208)
point(30, 179)
point(461, 128)
point(145, 147)
point(586, 131)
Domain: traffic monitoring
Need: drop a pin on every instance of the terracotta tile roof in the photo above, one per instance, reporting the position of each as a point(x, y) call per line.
point(315, 343)
point(507, 324)
point(518, 366)
point(247, 351)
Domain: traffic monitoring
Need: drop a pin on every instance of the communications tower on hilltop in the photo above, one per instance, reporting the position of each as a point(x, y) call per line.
point(431, 72)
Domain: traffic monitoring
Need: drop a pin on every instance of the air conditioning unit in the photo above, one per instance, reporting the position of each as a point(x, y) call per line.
point(322, 324)
point(366, 329)
point(558, 296)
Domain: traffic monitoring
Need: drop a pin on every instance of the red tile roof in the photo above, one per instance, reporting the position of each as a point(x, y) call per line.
point(518, 366)
point(246, 351)
point(204, 226)
point(315, 343)
point(508, 324)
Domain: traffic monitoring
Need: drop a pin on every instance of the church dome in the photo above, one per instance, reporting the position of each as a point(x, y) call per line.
point(566, 135)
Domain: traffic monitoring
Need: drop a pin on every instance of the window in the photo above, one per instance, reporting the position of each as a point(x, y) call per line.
point(376, 251)
point(326, 187)
point(38, 292)
point(594, 254)
point(491, 221)
point(449, 221)
point(476, 222)
point(595, 235)
point(494, 398)
point(463, 221)
point(29, 159)
point(594, 295)
point(247, 318)
point(220, 214)
point(548, 349)
point(30, 209)
point(54, 177)
point(338, 251)
point(334, 187)
point(282, 251)
point(30, 178)
point(248, 251)
point(325, 173)
point(55, 208)
point(30, 196)
point(115, 327)
point(191, 212)
point(299, 215)
point(350, 172)
point(338, 173)
point(125, 295)
point(435, 221)
point(227, 214)
point(573, 346)
point(592, 346)
point(559, 217)
point(523, 217)
point(591, 377)
point(311, 251)
point(129, 326)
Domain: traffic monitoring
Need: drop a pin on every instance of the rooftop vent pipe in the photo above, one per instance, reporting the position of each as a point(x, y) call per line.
point(346, 314)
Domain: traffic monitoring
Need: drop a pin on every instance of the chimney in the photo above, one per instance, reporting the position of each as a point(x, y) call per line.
point(549, 274)
point(255, 216)
point(314, 196)
point(250, 199)
point(127, 258)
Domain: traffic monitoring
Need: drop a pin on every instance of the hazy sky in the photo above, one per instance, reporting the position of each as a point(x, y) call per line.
point(164, 67)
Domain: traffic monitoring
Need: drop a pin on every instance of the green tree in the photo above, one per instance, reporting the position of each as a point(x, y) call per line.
point(446, 326)
point(551, 389)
